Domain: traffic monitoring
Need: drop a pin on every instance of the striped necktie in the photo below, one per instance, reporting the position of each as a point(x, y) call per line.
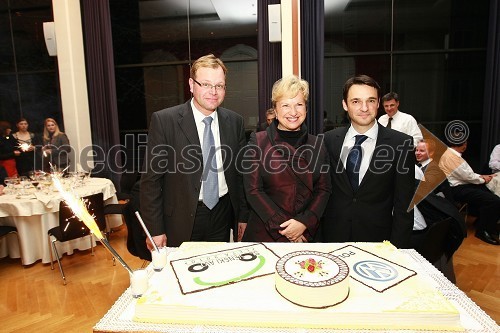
point(209, 178)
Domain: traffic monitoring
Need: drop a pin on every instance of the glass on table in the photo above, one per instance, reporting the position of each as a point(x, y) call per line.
point(46, 182)
point(11, 183)
point(25, 184)
point(159, 258)
point(139, 282)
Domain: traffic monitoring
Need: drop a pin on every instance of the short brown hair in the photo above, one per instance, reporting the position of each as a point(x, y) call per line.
point(361, 80)
point(209, 61)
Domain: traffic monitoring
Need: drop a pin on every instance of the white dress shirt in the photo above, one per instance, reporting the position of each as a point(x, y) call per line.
point(457, 170)
point(418, 219)
point(495, 159)
point(367, 147)
point(405, 123)
point(200, 127)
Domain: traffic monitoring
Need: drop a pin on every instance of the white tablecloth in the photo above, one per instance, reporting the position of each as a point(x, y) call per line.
point(473, 318)
point(35, 214)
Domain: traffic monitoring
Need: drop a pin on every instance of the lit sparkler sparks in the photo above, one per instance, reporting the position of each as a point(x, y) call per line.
point(24, 146)
point(80, 211)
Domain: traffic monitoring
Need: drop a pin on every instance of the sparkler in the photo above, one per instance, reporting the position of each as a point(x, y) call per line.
point(24, 146)
point(80, 211)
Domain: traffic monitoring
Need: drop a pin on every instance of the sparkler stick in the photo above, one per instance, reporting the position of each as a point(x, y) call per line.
point(146, 231)
point(80, 211)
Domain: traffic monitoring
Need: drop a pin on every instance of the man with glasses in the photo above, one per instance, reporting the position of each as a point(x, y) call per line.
point(191, 189)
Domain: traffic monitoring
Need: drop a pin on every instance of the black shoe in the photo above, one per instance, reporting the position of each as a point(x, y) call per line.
point(487, 237)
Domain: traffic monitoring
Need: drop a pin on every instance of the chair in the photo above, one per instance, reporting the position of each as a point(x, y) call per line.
point(6, 230)
point(71, 227)
point(433, 243)
point(462, 207)
point(127, 181)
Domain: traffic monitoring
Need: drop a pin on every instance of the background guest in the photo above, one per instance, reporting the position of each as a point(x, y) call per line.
point(431, 209)
point(286, 187)
point(397, 120)
point(469, 187)
point(56, 146)
point(270, 115)
point(26, 142)
point(8, 149)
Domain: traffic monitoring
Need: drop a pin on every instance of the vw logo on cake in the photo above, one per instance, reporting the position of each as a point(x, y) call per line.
point(375, 270)
point(312, 279)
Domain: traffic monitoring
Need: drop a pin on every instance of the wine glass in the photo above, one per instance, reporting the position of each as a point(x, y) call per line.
point(46, 181)
point(11, 182)
point(25, 182)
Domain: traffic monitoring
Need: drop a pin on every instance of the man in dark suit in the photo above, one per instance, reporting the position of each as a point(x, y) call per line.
point(192, 190)
point(370, 195)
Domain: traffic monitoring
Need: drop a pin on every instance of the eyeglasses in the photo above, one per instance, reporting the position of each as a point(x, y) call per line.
point(208, 86)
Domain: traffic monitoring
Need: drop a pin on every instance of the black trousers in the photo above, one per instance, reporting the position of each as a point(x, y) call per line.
point(213, 225)
point(484, 201)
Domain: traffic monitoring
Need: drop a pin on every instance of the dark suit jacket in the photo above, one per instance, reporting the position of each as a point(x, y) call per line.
point(284, 183)
point(377, 211)
point(170, 187)
point(434, 209)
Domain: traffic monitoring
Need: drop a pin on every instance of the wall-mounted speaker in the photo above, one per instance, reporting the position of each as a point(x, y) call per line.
point(274, 15)
point(49, 33)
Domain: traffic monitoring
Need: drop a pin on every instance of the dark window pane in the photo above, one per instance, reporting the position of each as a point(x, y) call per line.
point(358, 26)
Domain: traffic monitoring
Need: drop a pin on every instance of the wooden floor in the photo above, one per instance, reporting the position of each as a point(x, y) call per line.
point(34, 298)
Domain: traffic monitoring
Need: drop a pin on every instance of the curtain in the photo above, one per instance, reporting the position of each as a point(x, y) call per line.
point(269, 62)
point(312, 32)
point(99, 61)
point(491, 110)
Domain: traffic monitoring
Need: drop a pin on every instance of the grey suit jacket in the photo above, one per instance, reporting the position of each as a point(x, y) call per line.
point(377, 211)
point(171, 184)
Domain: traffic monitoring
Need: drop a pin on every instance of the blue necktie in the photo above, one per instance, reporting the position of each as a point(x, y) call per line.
point(354, 161)
point(210, 179)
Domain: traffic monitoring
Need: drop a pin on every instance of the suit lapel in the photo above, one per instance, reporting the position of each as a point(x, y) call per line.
point(338, 143)
point(187, 124)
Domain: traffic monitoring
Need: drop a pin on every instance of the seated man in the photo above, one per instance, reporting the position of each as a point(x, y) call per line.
point(432, 208)
point(469, 187)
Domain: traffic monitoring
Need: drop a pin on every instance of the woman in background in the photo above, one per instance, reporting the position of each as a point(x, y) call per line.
point(286, 187)
point(8, 149)
point(25, 162)
point(56, 146)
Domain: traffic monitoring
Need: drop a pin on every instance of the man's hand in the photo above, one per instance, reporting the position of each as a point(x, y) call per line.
point(160, 241)
point(487, 178)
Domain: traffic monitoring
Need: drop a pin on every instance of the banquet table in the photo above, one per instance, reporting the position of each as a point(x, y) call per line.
point(36, 212)
point(473, 318)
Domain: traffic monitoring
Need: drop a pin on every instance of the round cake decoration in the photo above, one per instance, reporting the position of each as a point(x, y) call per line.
point(312, 279)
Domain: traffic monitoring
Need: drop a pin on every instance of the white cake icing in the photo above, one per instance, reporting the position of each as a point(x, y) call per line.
point(312, 279)
point(393, 297)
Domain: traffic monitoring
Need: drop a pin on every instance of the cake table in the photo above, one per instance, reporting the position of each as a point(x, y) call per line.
point(473, 318)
